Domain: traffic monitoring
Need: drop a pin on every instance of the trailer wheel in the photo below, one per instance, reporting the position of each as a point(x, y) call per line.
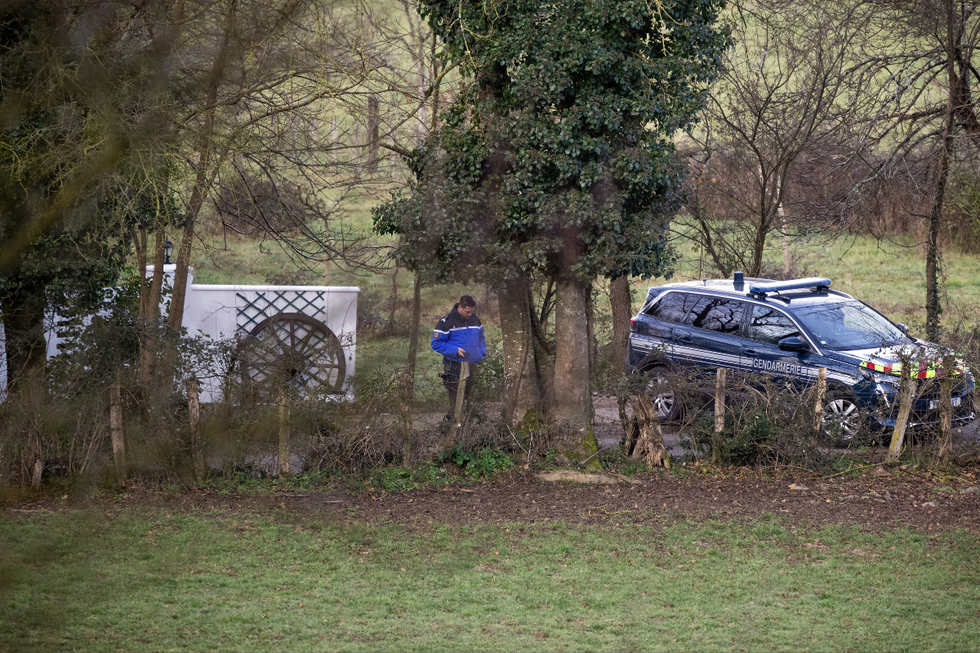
point(290, 351)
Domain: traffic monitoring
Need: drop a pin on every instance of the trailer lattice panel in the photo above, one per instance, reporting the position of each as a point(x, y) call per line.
point(267, 304)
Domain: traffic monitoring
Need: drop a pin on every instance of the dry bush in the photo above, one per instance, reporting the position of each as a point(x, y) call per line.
point(767, 421)
point(253, 205)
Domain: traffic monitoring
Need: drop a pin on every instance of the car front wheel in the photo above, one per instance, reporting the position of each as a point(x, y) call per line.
point(841, 420)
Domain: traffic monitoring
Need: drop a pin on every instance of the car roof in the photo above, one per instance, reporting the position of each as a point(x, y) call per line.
point(791, 292)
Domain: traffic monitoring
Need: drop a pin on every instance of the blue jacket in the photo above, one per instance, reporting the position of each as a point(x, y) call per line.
point(454, 332)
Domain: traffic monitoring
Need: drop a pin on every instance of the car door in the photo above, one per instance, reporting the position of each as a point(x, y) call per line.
point(654, 333)
point(712, 334)
point(768, 325)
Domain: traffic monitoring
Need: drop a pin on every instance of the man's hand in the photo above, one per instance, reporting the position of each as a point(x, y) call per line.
point(461, 352)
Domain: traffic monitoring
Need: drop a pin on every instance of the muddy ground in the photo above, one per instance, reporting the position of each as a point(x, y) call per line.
point(876, 499)
point(886, 500)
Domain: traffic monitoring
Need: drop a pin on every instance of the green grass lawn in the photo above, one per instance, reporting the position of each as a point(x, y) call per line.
point(153, 579)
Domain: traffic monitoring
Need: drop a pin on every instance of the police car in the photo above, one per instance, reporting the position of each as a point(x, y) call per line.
point(791, 329)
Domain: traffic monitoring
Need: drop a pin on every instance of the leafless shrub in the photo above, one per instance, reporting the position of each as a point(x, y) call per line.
point(250, 206)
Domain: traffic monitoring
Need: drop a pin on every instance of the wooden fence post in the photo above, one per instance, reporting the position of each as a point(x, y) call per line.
point(821, 395)
point(946, 409)
point(464, 377)
point(720, 380)
point(116, 428)
point(283, 433)
point(907, 397)
point(194, 414)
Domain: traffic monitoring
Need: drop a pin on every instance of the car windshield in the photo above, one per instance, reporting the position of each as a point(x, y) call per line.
point(848, 326)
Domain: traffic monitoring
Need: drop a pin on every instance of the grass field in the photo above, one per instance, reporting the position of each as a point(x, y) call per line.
point(153, 579)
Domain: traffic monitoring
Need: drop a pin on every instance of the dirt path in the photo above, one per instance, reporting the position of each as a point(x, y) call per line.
point(873, 502)
point(876, 500)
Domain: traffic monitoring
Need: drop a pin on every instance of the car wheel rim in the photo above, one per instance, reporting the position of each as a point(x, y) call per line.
point(841, 418)
point(662, 401)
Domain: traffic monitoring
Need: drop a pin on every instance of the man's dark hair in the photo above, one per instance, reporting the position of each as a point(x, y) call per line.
point(466, 300)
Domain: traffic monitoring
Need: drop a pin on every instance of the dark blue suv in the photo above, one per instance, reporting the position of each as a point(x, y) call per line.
point(791, 329)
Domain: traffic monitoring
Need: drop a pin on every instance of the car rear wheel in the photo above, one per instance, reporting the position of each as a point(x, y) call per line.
point(661, 396)
point(842, 418)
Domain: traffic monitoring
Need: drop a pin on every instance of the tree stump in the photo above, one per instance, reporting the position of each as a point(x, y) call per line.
point(645, 437)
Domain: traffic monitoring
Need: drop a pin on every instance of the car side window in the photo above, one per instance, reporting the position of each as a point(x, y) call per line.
point(718, 314)
point(672, 307)
point(770, 326)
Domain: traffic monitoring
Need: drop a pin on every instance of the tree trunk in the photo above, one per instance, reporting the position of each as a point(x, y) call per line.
point(116, 429)
point(522, 390)
point(141, 256)
point(590, 328)
point(392, 303)
point(194, 417)
point(571, 399)
point(906, 399)
point(933, 298)
point(326, 239)
point(206, 170)
point(373, 133)
point(150, 312)
point(621, 303)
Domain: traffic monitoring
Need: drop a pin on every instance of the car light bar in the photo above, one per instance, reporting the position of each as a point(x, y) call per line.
point(793, 284)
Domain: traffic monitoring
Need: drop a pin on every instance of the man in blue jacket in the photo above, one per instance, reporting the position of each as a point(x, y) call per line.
point(459, 338)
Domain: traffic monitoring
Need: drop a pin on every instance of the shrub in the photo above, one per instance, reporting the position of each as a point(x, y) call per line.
point(478, 463)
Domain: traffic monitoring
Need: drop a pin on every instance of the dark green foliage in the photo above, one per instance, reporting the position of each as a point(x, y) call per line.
point(489, 380)
point(400, 479)
point(108, 349)
point(478, 463)
point(749, 436)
